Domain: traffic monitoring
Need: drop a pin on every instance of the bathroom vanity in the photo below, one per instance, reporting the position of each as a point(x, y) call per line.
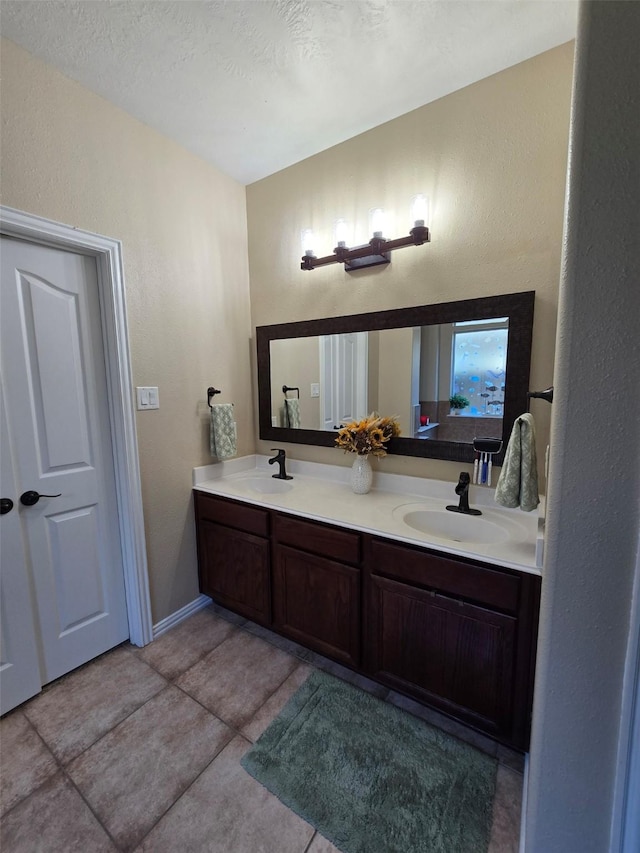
point(446, 626)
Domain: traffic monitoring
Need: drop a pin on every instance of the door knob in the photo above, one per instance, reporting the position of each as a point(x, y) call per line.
point(6, 505)
point(31, 498)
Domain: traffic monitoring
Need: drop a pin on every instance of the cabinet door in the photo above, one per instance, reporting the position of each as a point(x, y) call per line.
point(234, 570)
point(316, 602)
point(453, 655)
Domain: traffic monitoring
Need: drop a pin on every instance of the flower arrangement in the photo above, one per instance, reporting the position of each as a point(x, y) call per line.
point(368, 435)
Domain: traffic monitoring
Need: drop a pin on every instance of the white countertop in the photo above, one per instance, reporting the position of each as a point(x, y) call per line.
point(322, 493)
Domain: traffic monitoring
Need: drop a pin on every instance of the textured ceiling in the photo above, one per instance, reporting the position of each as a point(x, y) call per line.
point(253, 86)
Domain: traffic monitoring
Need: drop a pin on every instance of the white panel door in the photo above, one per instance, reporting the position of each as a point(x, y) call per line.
point(60, 439)
point(19, 668)
point(344, 377)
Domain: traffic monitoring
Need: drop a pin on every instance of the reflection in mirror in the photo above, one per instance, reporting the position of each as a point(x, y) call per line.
point(408, 372)
point(405, 362)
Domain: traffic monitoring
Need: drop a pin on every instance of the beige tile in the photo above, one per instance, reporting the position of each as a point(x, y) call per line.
point(75, 711)
point(237, 677)
point(134, 773)
point(321, 845)
point(174, 652)
point(227, 811)
point(507, 807)
point(54, 819)
point(272, 707)
point(25, 761)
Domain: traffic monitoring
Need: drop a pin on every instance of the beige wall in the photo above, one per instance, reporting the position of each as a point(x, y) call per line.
point(395, 359)
point(296, 363)
point(491, 157)
point(70, 156)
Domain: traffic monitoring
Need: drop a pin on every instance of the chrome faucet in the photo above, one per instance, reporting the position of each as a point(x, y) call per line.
point(462, 489)
point(280, 458)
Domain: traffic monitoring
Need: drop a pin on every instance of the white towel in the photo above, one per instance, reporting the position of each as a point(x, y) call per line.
point(518, 481)
point(223, 435)
point(292, 413)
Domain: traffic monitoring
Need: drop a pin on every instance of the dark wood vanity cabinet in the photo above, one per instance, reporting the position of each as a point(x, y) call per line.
point(233, 556)
point(453, 633)
point(316, 587)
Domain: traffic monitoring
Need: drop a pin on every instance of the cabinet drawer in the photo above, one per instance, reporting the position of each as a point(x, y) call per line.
point(241, 516)
point(477, 583)
point(318, 538)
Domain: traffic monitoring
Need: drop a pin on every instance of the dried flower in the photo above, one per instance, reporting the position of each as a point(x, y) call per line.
point(368, 435)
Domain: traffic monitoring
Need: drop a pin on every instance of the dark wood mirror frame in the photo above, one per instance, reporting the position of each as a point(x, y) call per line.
point(518, 307)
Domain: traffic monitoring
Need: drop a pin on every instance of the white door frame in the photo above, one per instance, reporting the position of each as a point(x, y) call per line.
point(108, 255)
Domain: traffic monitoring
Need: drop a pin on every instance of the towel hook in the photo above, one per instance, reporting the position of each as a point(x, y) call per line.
point(211, 392)
point(286, 388)
point(547, 394)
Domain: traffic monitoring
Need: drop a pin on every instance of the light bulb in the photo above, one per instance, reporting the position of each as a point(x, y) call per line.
point(420, 210)
point(307, 241)
point(342, 232)
point(377, 219)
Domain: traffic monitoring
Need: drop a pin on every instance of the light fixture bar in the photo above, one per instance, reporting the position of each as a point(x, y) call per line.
point(375, 252)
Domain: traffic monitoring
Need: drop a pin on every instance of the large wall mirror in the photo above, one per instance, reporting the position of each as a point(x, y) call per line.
point(316, 375)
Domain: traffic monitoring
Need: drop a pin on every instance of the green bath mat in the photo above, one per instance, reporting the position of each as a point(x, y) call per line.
point(372, 778)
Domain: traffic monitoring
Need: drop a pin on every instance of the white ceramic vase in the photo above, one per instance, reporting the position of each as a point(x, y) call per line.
point(361, 475)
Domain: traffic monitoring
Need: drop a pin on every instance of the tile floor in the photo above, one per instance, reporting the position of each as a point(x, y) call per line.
point(139, 750)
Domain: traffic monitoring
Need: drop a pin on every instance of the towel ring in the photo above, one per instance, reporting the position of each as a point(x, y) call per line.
point(211, 392)
point(286, 388)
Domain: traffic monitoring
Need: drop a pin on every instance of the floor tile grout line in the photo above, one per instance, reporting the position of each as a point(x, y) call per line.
point(199, 660)
point(59, 767)
point(118, 723)
point(191, 784)
point(62, 770)
point(315, 832)
point(90, 807)
point(226, 723)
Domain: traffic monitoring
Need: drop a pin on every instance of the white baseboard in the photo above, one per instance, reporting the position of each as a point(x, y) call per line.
point(198, 603)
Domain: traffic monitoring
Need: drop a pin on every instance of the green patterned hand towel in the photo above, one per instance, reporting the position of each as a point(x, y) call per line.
point(518, 481)
point(223, 434)
point(292, 413)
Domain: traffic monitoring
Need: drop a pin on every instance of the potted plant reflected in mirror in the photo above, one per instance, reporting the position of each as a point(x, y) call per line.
point(458, 403)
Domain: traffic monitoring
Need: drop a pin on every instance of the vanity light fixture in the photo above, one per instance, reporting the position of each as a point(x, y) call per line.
point(377, 250)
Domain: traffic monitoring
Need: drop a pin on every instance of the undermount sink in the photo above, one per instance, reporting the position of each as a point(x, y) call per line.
point(453, 526)
point(266, 485)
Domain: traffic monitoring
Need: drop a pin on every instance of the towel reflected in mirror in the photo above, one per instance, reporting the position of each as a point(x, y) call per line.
point(292, 414)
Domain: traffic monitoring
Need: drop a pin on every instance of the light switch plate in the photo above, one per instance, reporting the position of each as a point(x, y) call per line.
point(315, 389)
point(147, 397)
